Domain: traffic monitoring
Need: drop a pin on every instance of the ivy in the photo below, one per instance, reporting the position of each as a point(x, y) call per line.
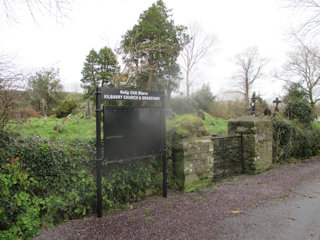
point(292, 139)
point(46, 182)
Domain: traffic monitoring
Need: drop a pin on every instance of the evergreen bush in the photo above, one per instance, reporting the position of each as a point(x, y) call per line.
point(291, 139)
point(65, 108)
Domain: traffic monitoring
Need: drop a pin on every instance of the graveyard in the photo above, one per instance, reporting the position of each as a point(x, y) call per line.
point(63, 161)
point(148, 139)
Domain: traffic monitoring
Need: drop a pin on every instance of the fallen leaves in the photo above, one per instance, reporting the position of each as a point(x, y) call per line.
point(283, 197)
point(14, 160)
point(251, 207)
point(235, 212)
point(309, 196)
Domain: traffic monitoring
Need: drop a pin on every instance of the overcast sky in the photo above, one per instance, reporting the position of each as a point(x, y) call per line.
point(97, 23)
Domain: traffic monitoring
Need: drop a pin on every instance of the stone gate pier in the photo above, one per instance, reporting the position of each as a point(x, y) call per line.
point(193, 163)
point(257, 142)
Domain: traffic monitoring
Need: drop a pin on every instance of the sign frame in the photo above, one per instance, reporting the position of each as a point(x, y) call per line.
point(106, 93)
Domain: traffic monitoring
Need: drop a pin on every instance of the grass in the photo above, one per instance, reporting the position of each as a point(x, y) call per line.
point(70, 130)
point(316, 124)
point(147, 211)
point(149, 218)
point(87, 128)
point(197, 199)
point(213, 125)
point(217, 126)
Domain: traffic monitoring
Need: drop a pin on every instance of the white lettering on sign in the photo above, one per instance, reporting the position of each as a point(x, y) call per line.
point(131, 98)
point(142, 93)
point(124, 92)
point(113, 97)
point(145, 98)
point(133, 95)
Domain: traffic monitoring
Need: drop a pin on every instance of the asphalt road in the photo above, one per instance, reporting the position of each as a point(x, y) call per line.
point(292, 217)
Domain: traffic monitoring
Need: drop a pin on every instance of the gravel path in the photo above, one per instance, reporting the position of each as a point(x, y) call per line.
point(194, 215)
point(293, 218)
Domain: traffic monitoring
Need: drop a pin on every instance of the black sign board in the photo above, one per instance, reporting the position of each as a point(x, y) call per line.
point(129, 132)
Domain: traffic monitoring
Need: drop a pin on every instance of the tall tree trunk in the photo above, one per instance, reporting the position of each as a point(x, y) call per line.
point(150, 73)
point(187, 83)
point(150, 78)
point(246, 96)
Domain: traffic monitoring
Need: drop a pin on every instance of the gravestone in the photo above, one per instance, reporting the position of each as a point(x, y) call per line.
point(88, 114)
point(201, 115)
point(257, 142)
point(267, 112)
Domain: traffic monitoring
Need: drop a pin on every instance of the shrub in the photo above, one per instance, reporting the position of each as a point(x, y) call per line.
point(299, 110)
point(187, 125)
point(65, 108)
point(202, 99)
point(291, 139)
point(297, 105)
point(228, 109)
point(181, 105)
point(43, 183)
point(19, 206)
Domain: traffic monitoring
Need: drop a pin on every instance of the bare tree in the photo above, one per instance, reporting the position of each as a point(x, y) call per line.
point(250, 68)
point(311, 9)
point(53, 8)
point(10, 82)
point(303, 67)
point(195, 51)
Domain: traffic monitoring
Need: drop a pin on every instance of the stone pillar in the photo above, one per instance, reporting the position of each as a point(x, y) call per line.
point(258, 137)
point(193, 163)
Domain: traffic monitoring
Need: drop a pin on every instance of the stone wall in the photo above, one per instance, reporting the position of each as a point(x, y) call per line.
point(227, 157)
point(257, 142)
point(193, 163)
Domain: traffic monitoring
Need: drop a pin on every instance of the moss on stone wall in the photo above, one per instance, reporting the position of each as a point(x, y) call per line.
point(193, 163)
point(186, 126)
point(257, 142)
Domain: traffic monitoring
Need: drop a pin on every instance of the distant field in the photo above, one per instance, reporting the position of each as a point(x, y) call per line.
point(86, 128)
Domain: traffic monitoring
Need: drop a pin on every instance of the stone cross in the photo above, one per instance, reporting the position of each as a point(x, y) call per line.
point(277, 101)
point(253, 104)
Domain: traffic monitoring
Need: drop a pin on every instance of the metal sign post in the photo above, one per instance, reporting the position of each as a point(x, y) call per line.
point(164, 150)
point(98, 146)
point(130, 132)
